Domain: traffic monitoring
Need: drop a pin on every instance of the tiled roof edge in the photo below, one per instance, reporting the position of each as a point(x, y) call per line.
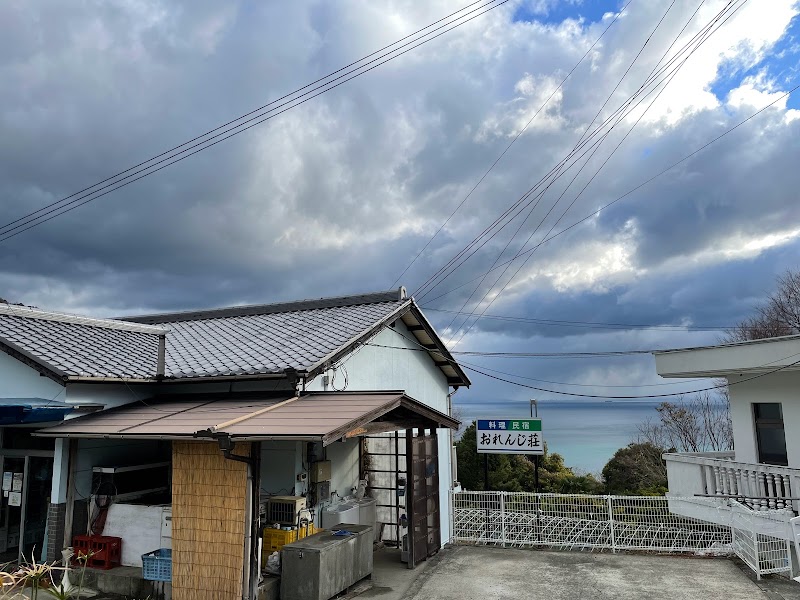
point(35, 313)
point(396, 295)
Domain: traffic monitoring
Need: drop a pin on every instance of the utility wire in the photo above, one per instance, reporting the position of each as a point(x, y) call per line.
point(590, 324)
point(632, 190)
point(571, 204)
point(546, 189)
point(32, 220)
point(624, 107)
point(562, 393)
point(511, 143)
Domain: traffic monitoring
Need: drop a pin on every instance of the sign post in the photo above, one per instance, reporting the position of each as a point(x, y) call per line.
point(510, 436)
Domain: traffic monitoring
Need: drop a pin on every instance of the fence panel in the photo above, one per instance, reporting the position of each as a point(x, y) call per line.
point(639, 523)
point(645, 523)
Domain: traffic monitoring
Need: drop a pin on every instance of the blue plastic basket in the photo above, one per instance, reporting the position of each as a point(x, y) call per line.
point(157, 565)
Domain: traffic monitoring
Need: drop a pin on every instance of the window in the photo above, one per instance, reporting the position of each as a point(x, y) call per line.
point(769, 433)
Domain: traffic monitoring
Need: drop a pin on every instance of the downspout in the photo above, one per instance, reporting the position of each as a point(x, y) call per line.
point(453, 464)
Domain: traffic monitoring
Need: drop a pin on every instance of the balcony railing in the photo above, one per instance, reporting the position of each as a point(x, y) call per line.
point(718, 474)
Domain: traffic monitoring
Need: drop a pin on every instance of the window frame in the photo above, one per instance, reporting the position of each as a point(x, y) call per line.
point(764, 423)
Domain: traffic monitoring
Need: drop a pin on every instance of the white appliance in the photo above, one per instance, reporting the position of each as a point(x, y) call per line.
point(367, 514)
point(340, 513)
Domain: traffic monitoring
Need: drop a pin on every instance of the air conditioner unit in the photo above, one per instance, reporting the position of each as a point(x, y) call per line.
point(284, 509)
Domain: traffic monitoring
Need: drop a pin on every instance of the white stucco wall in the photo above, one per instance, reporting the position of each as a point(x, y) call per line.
point(18, 380)
point(782, 387)
point(376, 368)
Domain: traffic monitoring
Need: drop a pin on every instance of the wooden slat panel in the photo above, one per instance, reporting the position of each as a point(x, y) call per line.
point(208, 522)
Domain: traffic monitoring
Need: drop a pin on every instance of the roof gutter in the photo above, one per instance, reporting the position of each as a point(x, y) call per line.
point(206, 379)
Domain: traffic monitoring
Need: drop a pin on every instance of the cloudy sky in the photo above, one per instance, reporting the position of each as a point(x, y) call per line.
point(338, 195)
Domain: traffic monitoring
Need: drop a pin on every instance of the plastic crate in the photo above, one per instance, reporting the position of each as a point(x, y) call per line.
point(102, 551)
point(275, 539)
point(157, 565)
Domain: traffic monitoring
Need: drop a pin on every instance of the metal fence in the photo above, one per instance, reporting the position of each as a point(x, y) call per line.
point(616, 523)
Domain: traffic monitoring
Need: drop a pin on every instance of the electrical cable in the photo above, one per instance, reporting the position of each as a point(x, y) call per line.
point(535, 204)
point(593, 324)
point(696, 40)
point(511, 143)
point(620, 110)
point(634, 189)
point(562, 393)
point(30, 221)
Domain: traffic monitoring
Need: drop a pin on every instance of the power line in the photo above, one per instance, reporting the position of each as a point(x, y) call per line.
point(634, 189)
point(599, 354)
point(620, 112)
point(625, 107)
point(564, 191)
point(554, 170)
point(562, 393)
point(60, 207)
point(591, 385)
point(590, 324)
point(511, 143)
point(667, 395)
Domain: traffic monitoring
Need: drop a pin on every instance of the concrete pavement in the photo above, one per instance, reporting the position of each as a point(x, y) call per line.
point(485, 573)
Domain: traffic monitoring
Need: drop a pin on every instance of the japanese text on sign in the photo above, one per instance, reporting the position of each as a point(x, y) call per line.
point(510, 436)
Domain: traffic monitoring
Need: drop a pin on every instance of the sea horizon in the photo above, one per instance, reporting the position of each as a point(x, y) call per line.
point(586, 433)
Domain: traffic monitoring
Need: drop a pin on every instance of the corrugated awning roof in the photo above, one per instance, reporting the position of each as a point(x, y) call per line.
point(325, 417)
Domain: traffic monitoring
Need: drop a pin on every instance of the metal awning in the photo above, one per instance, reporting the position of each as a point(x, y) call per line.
point(15, 411)
point(325, 417)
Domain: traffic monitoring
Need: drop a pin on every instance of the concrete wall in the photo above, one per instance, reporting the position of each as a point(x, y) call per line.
point(782, 387)
point(407, 369)
point(18, 380)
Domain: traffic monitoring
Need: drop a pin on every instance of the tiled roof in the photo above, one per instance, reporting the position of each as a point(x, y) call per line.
point(238, 341)
point(79, 350)
point(267, 343)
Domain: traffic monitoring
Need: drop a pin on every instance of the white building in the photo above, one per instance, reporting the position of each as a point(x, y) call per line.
point(761, 476)
point(275, 388)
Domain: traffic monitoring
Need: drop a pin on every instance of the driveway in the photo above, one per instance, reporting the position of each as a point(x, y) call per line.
point(481, 573)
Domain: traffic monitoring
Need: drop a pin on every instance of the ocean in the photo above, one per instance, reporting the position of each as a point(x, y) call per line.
point(586, 433)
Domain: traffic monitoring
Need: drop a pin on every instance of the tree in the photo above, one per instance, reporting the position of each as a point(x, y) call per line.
point(779, 315)
point(636, 469)
point(698, 423)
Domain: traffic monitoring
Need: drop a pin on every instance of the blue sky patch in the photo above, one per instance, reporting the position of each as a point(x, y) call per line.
point(782, 64)
point(589, 10)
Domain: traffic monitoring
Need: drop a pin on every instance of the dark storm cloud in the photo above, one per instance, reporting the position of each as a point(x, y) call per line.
point(338, 195)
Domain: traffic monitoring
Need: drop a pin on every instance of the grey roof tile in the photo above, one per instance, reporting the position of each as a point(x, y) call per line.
point(222, 342)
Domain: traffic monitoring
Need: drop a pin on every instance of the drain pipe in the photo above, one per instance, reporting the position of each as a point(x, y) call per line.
point(453, 464)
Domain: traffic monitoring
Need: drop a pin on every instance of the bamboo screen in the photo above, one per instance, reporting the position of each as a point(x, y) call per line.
point(208, 522)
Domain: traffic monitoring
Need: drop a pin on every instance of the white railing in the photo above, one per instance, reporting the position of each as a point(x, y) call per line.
point(616, 523)
point(578, 521)
point(717, 474)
